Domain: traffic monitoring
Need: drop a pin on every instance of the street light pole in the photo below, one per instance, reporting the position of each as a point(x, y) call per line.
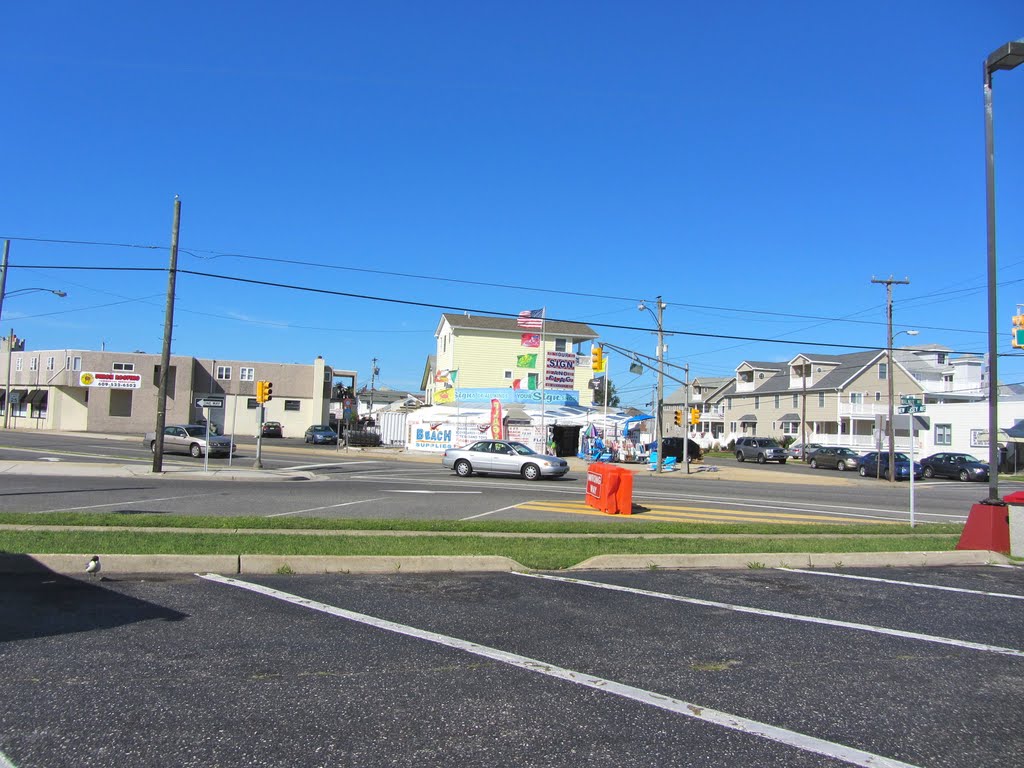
point(1006, 57)
point(659, 319)
point(890, 430)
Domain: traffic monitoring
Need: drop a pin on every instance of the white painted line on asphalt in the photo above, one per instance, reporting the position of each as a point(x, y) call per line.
point(433, 493)
point(334, 464)
point(5, 762)
point(123, 503)
point(492, 512)
point(782, 615)
point(902, 583)
point(800, 741)
point(320, 509)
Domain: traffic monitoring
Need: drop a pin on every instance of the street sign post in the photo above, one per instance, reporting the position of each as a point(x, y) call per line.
point(207, 403)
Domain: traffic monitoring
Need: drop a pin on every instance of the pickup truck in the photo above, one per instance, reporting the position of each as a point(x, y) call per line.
point(191, 439)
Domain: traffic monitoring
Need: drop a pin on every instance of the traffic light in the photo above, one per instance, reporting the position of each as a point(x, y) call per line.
point(1018, 331)
point(694, 416)
point(597, 358)
point(264, 391)
point(679, 418)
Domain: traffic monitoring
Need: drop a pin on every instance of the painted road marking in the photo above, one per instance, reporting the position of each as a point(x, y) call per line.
point(493, 511)
point(433, 493)
point(735, 722)
point(702, 514)
point(320, 509)
point(123, 503)
point(332, 465)
point(782, 615)
point(915, 584)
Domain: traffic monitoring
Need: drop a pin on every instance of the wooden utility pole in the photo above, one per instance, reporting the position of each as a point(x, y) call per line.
point(890, 430)
point(165, 355)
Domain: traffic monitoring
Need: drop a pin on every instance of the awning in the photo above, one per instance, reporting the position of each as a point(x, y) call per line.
point(631, 422)
point(789, 417)
point(748, 419)
point(18, 395)
point(37, 397)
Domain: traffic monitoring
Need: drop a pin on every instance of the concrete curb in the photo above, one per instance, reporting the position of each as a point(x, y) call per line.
point(790, 560)
point(123, 565)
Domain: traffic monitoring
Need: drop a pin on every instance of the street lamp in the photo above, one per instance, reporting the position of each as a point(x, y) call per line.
point(1007, 57)
point(661, 374)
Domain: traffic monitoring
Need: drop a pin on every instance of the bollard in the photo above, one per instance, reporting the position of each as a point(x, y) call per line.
point(987, 528)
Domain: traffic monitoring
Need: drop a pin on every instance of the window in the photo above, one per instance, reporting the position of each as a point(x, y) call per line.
point(796, 400)
point(17, 363)
point(123, 367)
point(224, 372)
point(508, 375)
point(291, 405)
point(33, 364)
point(76, 363)
point(790, 427)
point(856, 398)
point(246, 374)
point(561, 345)
point(120, 403)
point(943, 434)
point(50, 362)
point(883, 371)
point(878, 397)
point(942, 358)
point(757, 402)
point(732, 426)
point(777, 401)
point(821, 399)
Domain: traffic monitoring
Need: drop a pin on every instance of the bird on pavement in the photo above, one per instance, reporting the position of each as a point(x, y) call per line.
point(93, 568)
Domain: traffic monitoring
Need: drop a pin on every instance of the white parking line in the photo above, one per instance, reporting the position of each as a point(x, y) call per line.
point(122, 503)
point(902, 583)
point(5, 762)
point(735, 722)
point(492, 512)
point(782, 615)
point(319, 509)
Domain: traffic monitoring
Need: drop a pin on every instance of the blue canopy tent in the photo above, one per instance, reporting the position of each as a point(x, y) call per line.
point(629, 423)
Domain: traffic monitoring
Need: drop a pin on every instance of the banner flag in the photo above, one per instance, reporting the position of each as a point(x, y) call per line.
point(531, 318)
point(531, 339)
point(526, 361)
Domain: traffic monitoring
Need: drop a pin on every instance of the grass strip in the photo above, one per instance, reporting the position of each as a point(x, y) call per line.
point(610, 525)
point(543, 554)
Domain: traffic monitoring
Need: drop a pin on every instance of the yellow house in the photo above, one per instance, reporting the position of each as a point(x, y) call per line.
point(481, 356)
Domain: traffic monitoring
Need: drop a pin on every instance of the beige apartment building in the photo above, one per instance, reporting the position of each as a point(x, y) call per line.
point(87, 391)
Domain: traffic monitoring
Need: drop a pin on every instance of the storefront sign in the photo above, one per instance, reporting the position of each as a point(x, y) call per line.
point(560, 370)
point(483, 395)
point(110, 380)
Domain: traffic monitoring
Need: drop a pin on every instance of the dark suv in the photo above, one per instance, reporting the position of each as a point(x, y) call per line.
point(674, 447)
point(760, 449)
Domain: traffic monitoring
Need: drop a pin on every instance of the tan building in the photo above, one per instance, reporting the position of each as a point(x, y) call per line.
point(86, 391)
point(494, 354)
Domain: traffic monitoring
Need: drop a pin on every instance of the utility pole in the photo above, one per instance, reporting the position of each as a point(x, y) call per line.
point(805, 369)
point(686, 417)
point(373, 378)
point(165, 354)
point(889, 374)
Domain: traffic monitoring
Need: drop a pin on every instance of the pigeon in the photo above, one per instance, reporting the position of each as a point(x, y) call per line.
point(93, 568)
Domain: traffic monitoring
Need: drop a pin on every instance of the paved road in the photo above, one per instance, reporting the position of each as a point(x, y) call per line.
point(751, 668)
point(385, 485)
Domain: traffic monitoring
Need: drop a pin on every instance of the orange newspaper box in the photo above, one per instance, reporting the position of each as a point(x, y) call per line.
point(610, 489)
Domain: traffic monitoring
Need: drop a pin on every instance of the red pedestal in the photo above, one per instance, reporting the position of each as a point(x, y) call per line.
point(988, 527)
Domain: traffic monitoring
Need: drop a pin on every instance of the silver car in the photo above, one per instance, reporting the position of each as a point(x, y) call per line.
point(503, 457)
point(191, 439)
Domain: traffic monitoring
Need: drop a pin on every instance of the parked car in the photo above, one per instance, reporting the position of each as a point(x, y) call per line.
point(272, 429)
point(760, 449)
point(321, 434)
point(876, 463)
point(191, 439)
point(674, 447)
point(503, 457)
point(957, 466)
point(834, 457)
point(799, 451)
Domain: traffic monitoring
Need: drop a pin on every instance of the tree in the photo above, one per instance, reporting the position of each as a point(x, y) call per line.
point(613, 399)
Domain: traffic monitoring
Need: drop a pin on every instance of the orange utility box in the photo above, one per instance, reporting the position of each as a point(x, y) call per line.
point(610, 489)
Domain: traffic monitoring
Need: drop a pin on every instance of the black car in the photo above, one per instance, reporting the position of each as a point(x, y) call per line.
point(321, 434)
point(674, 447)
point(272, 429)
point(956, 466)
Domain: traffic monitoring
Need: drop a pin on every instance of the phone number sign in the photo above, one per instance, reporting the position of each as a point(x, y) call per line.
point(110, 380)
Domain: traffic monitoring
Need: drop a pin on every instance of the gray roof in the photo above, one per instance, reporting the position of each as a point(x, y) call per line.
point(749, 418)
point(846, 367)
point(576, 331)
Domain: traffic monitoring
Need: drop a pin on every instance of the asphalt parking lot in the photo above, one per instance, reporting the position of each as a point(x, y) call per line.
point(758, 667)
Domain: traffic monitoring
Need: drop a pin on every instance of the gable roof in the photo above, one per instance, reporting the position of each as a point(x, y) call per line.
point(576, 331)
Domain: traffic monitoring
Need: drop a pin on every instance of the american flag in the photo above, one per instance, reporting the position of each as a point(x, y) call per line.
point(531, 318)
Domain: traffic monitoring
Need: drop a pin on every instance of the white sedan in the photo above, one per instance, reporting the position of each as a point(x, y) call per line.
point(503, 457)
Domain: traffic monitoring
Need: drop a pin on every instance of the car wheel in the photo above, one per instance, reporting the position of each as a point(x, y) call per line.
point(814, 464)
point(841, 466)
point(760, 458)
point(782, 461)
point(463, 468)
point(964, 476)
point(195, 451)
point(531, 472)
point(929, 472)
point(739, 455)
point(863, 471)
point(152, 446)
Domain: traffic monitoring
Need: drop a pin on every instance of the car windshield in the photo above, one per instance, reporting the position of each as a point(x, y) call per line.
point(322, 429)
point(197, 431)
point(963, 459)
point(522, 450)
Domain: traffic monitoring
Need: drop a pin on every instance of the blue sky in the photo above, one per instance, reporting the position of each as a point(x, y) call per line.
point(754, 163)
